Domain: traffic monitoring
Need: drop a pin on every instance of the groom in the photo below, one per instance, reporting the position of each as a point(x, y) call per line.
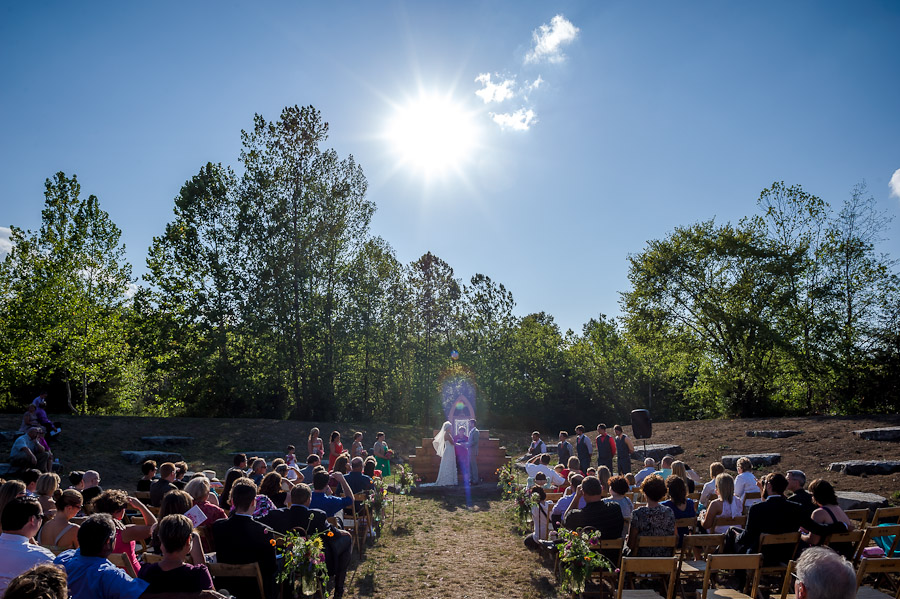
point(472, 444)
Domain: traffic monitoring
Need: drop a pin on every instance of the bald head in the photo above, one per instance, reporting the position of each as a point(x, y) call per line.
point(650, 463)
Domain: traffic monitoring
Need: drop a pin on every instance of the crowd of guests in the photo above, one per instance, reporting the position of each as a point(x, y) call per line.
point(187, 521)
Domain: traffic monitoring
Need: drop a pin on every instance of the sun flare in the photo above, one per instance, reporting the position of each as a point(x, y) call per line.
point(434, 134)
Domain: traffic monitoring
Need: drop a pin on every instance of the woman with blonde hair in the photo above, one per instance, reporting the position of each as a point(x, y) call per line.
point(314, 444)
point(679, 470)
point(46, 487)
point(59, 532)
point(727, 505)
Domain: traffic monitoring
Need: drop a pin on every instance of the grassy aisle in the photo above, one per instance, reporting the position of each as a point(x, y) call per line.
point(438, 548)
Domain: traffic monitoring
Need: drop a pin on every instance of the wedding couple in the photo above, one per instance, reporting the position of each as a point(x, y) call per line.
point(463, 447)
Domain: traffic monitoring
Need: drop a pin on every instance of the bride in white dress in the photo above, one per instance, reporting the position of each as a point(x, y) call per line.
point(444, 446)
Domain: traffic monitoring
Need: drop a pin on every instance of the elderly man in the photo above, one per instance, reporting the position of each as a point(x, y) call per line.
point(27, 452)
point(649, 468)
point(796, 481)
point(823, 574)
point(21, 521)
point(92, 488)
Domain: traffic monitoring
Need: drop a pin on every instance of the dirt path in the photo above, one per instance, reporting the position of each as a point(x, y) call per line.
point(438, 548)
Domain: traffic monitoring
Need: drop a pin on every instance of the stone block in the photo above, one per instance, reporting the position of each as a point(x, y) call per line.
point(757, 459)
point(774, 434)
point(162, 441)
point(139, 457)
point(859, 467)
point(853, 500)
point(655, 450)
point(891, 433)
point(10, 435)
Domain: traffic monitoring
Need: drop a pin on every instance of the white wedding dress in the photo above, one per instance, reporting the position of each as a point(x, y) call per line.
point(447, 472)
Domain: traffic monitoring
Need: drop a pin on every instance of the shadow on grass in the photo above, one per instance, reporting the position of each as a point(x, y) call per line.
point(544, 586)
point(400, 530)
point(365, 584)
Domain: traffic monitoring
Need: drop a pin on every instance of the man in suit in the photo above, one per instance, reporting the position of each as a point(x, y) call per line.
point(474, 436)
point(242, 540)
point(583, 447)
point(774, 515)
point(796, 481)
point(338, 546)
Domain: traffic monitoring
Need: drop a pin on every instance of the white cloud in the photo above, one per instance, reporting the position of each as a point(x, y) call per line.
point(494, 92)
point(130, 290)
point(894, 184)
point(534, 84)
point(549, 39)
point(520, 120)
point(5, 242)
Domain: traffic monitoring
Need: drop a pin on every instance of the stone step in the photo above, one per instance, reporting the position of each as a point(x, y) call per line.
point(10, 435)
point(890, 433)
point(774, 434)
point(757, 459)
point(139, 457)
point(657, 451)
point(859, 467)
point(161, 441)
point(853, 500)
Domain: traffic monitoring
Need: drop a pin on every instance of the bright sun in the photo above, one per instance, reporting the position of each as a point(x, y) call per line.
point(434, 134)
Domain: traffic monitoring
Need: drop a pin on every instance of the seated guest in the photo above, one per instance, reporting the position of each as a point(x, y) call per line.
point(823, 574)
point(330, 504)
point(271, 488)
point(233, 475)
point(541, 518)
point(27, 452)
point(604, 474)
point(829, 517)
point(148, 468)
point(652, 520)
point(60, 532)
point(92, 488)
point(21, 520)
point(745, 482)
point(45, 581)
point(30, 478)
point(532, 468)
point(774, 515)
point(725, 504)
point(239, 462)
point(679, 503)
point(797, 494)
point(680, 470)
point(29, 419)
point(342, 465)
point(176, 503)
point(45, 488)
point(9, 491)
point(562, 504)
point(358, 481)
point(606, 518)
point(649, 468)
point(242, 540)
point(665, 467)
point(630, 478)
point(312, 460)
point(176, 535)
point(539, 480)
point(114, 503)
point(618, 489)
point(258, 471)
point(76, 480)
point(199, 489)
point(573, 464)
point(708, 492)
point(165, 483)
point(370, 468)
point(181, 469)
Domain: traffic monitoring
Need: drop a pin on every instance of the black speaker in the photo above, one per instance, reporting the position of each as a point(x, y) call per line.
point(641, 425)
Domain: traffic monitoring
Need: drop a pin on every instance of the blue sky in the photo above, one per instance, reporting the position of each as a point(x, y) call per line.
point(647, 115)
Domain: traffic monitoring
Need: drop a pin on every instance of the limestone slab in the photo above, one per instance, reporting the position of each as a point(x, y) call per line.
point(890, 433)
point(139, 457)
point(774, 434)
point(757, 459)
point(853, 500)
point(860, 467)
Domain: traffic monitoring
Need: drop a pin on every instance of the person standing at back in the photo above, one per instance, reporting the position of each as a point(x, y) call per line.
point(624, 449)
point(606, 447)
point(583, 447)
point(564, 449)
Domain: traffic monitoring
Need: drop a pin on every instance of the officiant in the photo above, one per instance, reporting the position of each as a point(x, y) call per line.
point(462, 451)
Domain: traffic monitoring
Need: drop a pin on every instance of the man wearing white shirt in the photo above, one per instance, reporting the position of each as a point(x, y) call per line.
point(709, 489)
point(649, 468)
point(533, 468)
point(745, 482)
point(21, 520)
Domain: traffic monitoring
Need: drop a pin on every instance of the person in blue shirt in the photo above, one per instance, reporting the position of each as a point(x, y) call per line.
point(330, 504)
point(358, 481)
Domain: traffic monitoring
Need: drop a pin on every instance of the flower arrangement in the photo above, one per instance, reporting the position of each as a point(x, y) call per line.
point(579, 555)
point(406, 479)
point(376, 500)
point(524, 501)
point(388, 454)
point(304, 563)
point(506, 481)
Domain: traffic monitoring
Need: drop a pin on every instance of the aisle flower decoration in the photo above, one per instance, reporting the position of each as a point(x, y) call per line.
point(406, 480)
point(506, 481)
point(304, 563)
point(579, 555)
point(376, 500)
point(524, 501)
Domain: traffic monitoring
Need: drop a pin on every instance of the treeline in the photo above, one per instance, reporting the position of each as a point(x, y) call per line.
point(266, 295)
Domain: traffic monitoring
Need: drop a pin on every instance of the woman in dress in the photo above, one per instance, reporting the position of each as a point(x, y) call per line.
point(444, 447)
point(335, 448)
point(314, 444)
point(382, 459)
point(624, 449)
point(59, 532)
point(356, 450)
point(829, 517)
point(679, 503)
point(652, 520)
point(727, 505)
point(114, 503)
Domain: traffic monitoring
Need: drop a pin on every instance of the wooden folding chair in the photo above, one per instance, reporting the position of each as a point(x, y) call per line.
point(121, 561)
point(860, 516)
point(151, 558)
point(788, 539)
point(739, 521)
point(607, 545)
point(694, 568)
point(873, 532)
point(788, 583)
point(139, 521)
point(220, 570)
point(358, 523)
point(55, 549)
point(554, 497)
point(144, 496)
point(889, 514)
point(730, 561)
point(754, 496)
point(206, 539)
point(658, 541)
point(877, 565)
point(688, 523)
point(666, 566)
point(851, 538)
point(695, 496)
